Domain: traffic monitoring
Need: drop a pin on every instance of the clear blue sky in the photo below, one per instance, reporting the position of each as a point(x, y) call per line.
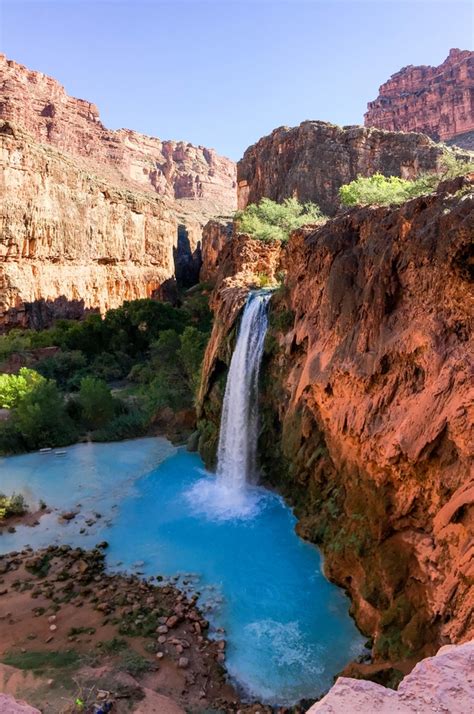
point(223, 74)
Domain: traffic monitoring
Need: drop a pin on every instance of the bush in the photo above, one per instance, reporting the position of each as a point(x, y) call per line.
point(13, 505)
point(270, 221)
point(123, 426)
point(96, 402)
point(383, 190)
point(41, 418)
point(13, 387)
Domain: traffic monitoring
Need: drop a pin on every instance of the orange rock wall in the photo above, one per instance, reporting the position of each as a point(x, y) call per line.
point(438, 101)
point(69, 236)
point(173, 169)
point(366, 411)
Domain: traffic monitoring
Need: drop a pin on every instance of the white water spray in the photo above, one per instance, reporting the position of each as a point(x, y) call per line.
point(237, 452)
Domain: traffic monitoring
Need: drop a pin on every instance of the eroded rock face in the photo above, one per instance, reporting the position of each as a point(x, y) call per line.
point(313, 160)
point(438, 101)
point(93, 217)
point(367, 423)
point(215, 235)
point(175, 170)
point(444, 683)
point(69, 240)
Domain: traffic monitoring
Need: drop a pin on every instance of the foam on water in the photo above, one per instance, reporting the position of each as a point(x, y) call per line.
point(287, 628)
point(215, 500)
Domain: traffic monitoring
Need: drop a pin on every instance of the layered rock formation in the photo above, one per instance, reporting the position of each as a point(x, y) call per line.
point(71, 241)
point(438, 101)
point(215, 235)
point(174, 169)
point(93, 217)
point(367, 408)
point(313, 160)
point(444, 683)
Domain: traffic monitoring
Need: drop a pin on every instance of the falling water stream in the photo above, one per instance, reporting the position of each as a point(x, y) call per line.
point(237, 452)
point(287, 628)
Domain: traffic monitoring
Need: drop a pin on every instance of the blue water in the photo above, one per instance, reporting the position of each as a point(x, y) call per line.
point(287, 628)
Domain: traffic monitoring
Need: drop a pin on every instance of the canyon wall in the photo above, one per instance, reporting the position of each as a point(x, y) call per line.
point(215, 236)
point(71, 241)
point(201, 182)
point(92, 217)
point(438, 101)
point(367, 417)
point(313, 160)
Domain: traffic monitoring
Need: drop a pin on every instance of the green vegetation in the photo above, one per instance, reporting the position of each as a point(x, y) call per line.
point(41, 661)
point(96, 402)
point(14, 387)
point(154, 351)
point(13, 505)
point(269, 221)
point(134, 663)
point(386, 190)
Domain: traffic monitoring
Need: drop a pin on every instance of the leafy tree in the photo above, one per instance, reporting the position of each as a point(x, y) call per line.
point(13, 387)
point(96, 402)
point(41, 418)
point(191, 353)
point(62, 367)
point(268, 220)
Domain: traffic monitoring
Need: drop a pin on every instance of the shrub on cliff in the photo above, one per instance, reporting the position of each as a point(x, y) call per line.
point(376, 190)
point(380, 190)
point(270, 221)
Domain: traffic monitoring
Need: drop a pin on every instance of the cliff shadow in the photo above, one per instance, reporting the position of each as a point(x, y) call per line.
point(40, 314)
point(187, 262)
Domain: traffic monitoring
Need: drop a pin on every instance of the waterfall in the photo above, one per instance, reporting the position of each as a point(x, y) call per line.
point(237, 452)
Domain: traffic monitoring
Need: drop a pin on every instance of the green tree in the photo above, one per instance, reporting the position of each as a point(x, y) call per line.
point(191, 353)
point(14, 387)
point(41, 418)
point(96, 402)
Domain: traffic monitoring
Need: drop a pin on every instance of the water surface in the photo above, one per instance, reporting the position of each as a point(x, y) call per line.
point(287, 627)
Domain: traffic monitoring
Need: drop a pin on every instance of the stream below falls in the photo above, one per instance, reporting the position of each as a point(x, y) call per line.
point(288, 629)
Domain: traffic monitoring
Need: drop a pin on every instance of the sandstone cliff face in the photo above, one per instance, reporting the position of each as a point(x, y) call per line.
point(438, 101)
point(215, 236)
point(174, 169)
point(311, 161)
point(69, 240)
point(100, 216)
point(367, 410)
point(444, 683)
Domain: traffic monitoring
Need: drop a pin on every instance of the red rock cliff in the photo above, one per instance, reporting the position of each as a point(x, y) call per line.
point(367, 409)
point(438, 101)
point(93, 217)
point(311, 161)
point(70, 240)
point(173, 169)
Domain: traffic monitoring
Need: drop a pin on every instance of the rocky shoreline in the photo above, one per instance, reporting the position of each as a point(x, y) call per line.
point(80, 633)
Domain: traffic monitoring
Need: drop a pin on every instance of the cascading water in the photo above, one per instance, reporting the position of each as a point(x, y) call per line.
point(236, 457)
